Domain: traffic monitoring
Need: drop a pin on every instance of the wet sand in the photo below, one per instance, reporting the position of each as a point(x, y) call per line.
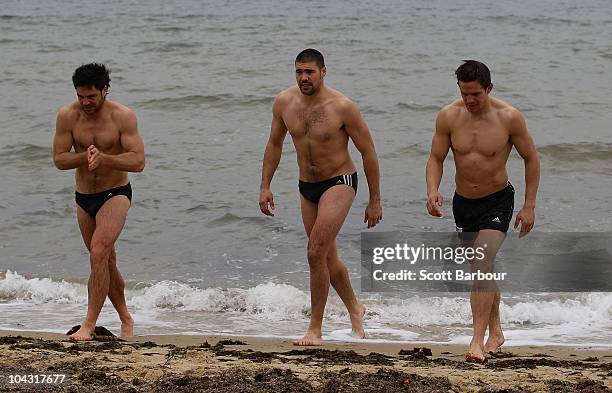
point(247, 364)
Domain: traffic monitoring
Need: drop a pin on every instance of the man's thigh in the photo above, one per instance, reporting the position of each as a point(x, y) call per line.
point(87, 225)
point(309, 213)
point(490, 240)
point(332, 210)
point(111, 219)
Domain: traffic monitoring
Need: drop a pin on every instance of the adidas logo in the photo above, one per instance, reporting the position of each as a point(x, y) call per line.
point(339, 182)
point(496, 219)
point(110, 194)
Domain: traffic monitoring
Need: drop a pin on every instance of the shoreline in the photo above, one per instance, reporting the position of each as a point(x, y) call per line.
point(177, 363)
point(191, 337)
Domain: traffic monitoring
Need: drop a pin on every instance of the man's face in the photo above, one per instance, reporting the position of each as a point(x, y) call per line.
point(474, 95)
point(90, 98)
point(309, 77)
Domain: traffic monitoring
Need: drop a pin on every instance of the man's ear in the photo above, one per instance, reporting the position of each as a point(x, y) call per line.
point(324, 71)
point(490, 88)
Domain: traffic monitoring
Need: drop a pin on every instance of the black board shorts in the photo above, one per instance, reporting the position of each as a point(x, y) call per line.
point(493, 211)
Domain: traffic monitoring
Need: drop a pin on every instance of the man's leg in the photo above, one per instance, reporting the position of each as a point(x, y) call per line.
point(116, 294)
point(87, 226)
point(108, 225)
point(483, 294)
point(338, 273)
point(331, 212)
point(339, 277)
point(496, 336)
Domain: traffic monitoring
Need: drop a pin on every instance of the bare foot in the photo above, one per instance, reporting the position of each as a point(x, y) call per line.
point(127, 327)
point(494, 342)
point(475, 355)
point(357, 322)
point(474, 358)
point(85, 333)
point(310, 339)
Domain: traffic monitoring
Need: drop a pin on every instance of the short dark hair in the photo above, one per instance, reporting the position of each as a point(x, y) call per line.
point(92, 74)
point(472, 70)
point(308, 55)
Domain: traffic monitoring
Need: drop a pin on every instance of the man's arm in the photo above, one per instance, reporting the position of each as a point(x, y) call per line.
point(358, 131)
point(133, 157)
point(63, 157)
point(522, 141)
point(272, 156)
point(440, 144)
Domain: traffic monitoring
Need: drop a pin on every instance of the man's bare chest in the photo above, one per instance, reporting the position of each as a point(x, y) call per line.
point(105, 136)
point(486, 138)
point(318, 123)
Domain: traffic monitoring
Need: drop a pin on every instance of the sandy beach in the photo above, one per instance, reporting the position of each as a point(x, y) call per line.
point(246, 364)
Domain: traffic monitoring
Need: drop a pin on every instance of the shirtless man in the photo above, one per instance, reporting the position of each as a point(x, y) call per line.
point(481, 131)
point(321, 121)
point(107, 145)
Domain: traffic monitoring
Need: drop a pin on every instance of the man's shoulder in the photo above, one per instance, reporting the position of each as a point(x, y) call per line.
point(283, 100)
point(287, 94)
point(452, 110)
point(118, 108)
point(340, 102)
point(69, 111)
point(119, 111)
point(506, 112)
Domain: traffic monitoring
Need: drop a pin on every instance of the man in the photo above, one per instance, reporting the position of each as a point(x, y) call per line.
point(481, 131)
point(321, 121)
point(107, 145)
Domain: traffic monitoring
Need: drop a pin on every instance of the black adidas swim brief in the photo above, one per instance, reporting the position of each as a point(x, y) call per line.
point(314, 191)
point(91, 203)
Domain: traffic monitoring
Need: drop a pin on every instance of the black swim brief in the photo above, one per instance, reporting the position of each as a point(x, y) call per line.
point(91, 203)
point(314, 191)
point(493, 211)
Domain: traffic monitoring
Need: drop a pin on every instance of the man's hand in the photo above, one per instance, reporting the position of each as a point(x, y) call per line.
point(434, 202)
point(94, 157)
point(527, 218)
point(373, 214)
point(266, 202)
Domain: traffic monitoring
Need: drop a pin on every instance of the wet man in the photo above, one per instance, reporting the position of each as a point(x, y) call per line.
point(320, 121)
point(481, 131)
point(100, 139)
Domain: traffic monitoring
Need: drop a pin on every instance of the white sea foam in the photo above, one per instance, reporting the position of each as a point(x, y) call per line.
point(279, 308)
point(16, 287)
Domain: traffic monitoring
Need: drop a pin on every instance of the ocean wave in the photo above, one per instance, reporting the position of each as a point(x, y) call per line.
point(413, 150)
point(24, 152)
point(578, 152)
point(199, 101)
point(14, 287)
point(591, 307)
point(416, 107)
point(274, 301)
point(523, 20)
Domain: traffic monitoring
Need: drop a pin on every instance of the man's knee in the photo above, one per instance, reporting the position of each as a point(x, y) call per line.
point(317, 252)
point(101, 251)
point(112, 259)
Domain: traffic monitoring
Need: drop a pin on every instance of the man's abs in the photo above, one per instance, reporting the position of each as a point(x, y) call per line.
point(477, 183)
point(481, 168)
point(98, 180)
point(318, 167)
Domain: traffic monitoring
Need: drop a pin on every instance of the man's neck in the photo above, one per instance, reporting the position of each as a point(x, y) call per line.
point(486, 108)
point(96, 114)
point(314, 98)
